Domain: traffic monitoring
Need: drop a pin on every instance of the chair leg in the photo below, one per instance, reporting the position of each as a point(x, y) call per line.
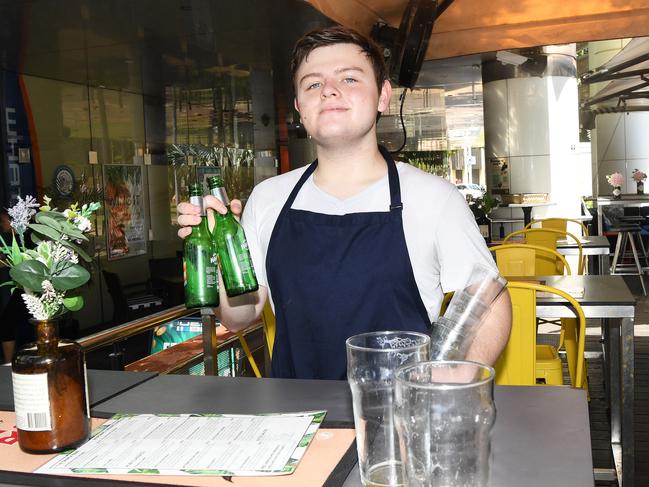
point(616, 254)
point(623, 250)
point(644, 250)
point(637, 263)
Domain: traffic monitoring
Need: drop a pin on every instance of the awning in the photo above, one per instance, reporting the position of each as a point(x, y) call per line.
point(475, 26)
point(628, 76)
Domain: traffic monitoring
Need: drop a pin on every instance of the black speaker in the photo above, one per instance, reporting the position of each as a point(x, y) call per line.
point(407, 45)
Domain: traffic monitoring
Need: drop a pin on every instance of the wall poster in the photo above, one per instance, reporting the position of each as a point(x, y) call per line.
point(125, 220)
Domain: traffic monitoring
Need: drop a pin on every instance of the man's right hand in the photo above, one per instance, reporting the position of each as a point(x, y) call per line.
point(189, 215)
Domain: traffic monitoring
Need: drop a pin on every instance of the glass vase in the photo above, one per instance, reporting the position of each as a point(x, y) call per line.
point(640, 187)
point(617, 192)
point(50, 392)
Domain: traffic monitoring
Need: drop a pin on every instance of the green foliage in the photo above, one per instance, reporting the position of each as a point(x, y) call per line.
point(57, 235)
point(73, 303)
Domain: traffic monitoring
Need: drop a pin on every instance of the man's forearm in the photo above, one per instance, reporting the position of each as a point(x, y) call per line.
point(241, 311)
point(493, 333)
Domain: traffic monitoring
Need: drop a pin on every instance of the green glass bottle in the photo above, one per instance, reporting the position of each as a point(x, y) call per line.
point(199, 260)
point(236, 265)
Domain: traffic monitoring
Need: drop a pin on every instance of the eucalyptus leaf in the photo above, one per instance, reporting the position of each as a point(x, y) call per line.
point(72, 231)
point(80, 252)
point(47, 218)
point(45, 230)
point(73, 303)
point(57, 215)
point(30, 274)
point(70, 277)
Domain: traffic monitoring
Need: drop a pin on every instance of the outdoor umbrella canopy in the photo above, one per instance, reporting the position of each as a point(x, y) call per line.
point(475, 26)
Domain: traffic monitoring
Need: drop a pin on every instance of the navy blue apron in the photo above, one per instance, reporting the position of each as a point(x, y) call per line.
point(334, 276)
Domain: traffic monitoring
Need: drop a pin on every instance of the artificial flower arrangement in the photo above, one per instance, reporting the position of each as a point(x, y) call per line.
point(50, 272)
point(638, 176)
point(615, 179)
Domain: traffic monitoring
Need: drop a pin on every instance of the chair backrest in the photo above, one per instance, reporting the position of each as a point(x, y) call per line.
point(529, 260)
point(517, 363)
point(269, 326)
point(547, 237)
point(558, 224)
point(120, 303)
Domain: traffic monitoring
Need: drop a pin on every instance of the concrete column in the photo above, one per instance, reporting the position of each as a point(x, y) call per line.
point(532, 128)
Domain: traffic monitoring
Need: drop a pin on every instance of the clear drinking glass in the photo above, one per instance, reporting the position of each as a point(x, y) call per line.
point(444, 413)
point(453, 334)
point(372, 359)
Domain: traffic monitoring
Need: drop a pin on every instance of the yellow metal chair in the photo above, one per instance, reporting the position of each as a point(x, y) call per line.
point(523, 260)
point(518, 364)
point(558, 224)
point(547, 237)
point(529, 260)
point(268, 318)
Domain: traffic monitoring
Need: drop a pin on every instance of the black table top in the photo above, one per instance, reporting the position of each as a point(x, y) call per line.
point(102, 385)
point(590, 242)
point(542, 434)
point(241, 395)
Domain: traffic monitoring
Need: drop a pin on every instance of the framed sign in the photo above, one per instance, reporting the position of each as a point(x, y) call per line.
point(63, 180)
point(124, 205)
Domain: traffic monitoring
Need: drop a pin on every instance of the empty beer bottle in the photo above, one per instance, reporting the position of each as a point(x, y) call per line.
point(199, 260)
point(236, 265)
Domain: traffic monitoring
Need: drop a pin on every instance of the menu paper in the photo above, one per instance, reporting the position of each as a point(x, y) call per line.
point(193, 444)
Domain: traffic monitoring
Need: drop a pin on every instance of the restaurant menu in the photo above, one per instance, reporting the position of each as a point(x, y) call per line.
point(193, 444)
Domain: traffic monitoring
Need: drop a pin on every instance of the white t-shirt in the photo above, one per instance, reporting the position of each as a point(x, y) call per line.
point(442, 237)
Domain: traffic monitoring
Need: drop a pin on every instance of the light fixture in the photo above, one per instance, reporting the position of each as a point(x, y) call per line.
point(507, 57)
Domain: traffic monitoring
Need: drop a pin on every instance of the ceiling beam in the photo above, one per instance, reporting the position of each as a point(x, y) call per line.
point(475, 26)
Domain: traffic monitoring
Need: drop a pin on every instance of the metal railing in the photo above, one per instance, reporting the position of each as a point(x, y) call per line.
point(116, 335)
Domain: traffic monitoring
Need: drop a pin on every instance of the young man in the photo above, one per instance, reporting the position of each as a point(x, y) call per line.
point(353, 242)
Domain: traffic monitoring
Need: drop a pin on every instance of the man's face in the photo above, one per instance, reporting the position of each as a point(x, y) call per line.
point(337, 96)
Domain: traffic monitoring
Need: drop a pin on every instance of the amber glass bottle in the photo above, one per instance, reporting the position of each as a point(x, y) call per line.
point(50, 392)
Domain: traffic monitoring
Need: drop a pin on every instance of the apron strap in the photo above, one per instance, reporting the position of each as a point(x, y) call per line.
point(393, 179)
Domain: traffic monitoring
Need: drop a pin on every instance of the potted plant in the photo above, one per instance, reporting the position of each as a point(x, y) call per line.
point(48, 376)
point(616, 180)
point(639, 178)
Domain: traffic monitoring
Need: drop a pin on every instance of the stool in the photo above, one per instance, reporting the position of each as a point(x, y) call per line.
point(627, 235)
point(548, 365)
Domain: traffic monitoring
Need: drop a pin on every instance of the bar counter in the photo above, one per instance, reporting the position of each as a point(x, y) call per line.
point(541, 434)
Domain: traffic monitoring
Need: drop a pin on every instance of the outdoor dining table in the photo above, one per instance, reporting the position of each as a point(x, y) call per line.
point(592, 246)
point(608, 298)
point(541, 434)
point(530, 439)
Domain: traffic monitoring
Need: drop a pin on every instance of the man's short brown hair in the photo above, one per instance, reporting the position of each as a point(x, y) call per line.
point(338, 35)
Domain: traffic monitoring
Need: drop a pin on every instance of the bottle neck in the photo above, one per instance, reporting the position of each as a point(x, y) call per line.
point(47, 331)
point(220, 194)
point(198, 201)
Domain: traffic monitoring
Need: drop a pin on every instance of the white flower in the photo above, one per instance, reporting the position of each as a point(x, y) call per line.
point(61, 253)
point(83, 224)
point(22, 212)
point(34, 306)
point(45, 306)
